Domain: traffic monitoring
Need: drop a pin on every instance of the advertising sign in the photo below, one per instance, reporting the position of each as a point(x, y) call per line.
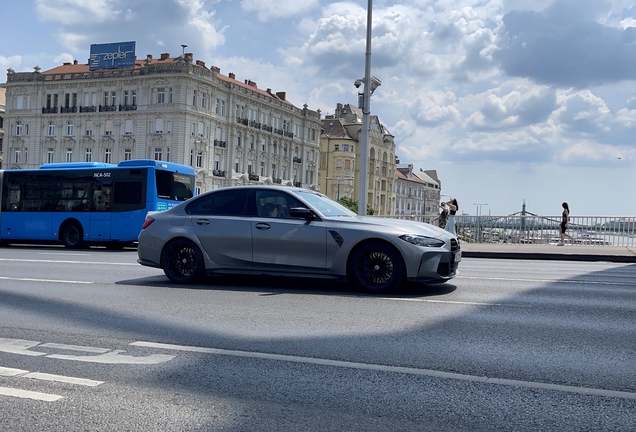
point(112, 55)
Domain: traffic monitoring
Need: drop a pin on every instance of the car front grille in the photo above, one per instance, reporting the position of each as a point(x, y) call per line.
point(447, 269)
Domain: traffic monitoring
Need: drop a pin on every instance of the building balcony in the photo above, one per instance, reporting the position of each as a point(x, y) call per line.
point(49, 110)
point(298, 184)
point(68, 109)
point(255, 124)
point(103, 108)
point(254, 177)
point(242, 120)
point(218, 173)
point(219, 143)
point(267, 128)
point(127, 107)
point(88, 109)
point(297, 160)
point(289, 134)
point(277, 181)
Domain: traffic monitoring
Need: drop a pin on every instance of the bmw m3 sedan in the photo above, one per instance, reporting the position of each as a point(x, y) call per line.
point(284, 231)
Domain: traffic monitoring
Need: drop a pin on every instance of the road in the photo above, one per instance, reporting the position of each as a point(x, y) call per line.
point(90, 340)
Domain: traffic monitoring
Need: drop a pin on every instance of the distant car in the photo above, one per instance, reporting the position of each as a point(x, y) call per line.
point(281, 231)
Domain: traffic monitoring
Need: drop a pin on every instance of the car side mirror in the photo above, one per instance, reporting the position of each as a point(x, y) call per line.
point(302, 213)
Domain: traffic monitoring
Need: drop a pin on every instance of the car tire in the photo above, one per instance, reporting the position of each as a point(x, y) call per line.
point(182, 261)
point(376, 267)
point(73, 235)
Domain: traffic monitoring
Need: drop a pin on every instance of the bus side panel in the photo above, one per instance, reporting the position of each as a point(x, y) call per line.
point(59, 218)
point(100, 227)
point(127, 225)
point(19, 226)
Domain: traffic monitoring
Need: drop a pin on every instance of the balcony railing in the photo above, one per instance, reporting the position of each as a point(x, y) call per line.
point(103, 108)
point(218, 173)
point(278, 181)
point(254, 177)
point(127, 107)
point(49, 110)
point(72, 109)
point(255, 124)
point(219, 143)
point(267, 128)
point(297, 160)
point(88, 109)
point(298, 184)
point(242, 120)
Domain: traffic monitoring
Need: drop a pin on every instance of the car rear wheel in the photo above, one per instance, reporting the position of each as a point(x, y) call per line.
point(73, 235)
point(182, 261)
point(376, 267)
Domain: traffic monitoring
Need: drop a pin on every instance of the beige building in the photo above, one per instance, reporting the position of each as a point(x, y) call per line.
point(417, 195)
point(340, 159)
point(173, 109)
point(2, 110)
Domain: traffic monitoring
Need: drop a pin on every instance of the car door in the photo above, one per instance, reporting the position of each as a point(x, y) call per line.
point(222, 225)
point(284, 242)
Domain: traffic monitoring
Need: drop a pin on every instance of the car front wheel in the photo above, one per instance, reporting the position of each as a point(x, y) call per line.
point(182, 261)
point(376, 267)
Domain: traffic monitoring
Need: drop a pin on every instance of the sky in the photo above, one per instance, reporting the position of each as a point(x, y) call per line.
point(509, 100)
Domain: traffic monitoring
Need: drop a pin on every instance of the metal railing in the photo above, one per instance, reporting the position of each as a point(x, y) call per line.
point(602, 231)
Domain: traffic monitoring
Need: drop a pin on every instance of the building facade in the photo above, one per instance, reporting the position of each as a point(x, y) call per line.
point(416, 195)
point(340, 159)
point(172, 109)
point(2, 110)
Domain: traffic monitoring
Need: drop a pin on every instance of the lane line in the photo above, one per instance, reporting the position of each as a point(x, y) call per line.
point(4, 371)
point(68, 262)
point(45, 280)
point(570, 281)
point(445, 301)
point(64, 379)
point(75, 348)
point(394, 369)
point(25, 394)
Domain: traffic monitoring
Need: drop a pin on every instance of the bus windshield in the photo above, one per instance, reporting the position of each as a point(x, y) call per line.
point(174, 186)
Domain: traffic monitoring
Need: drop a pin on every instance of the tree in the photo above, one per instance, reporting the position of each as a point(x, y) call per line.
point(352, 205)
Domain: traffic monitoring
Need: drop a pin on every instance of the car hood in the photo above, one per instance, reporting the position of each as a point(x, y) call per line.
point(405, 226)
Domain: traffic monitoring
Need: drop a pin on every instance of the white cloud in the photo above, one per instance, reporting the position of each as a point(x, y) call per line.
point(267, 10)
point(70, 12)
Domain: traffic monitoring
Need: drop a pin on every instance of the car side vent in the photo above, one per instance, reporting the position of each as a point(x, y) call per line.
point(337, 237)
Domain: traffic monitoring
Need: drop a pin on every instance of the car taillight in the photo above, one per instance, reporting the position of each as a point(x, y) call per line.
point(147, 223)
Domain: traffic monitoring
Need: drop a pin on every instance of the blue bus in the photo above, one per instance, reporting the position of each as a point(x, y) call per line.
point(79, 204)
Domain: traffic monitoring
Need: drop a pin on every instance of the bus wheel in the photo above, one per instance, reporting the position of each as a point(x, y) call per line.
point(182, 261)
point(72, 235)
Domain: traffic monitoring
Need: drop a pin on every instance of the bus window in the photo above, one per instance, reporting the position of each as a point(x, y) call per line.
point(174, 186)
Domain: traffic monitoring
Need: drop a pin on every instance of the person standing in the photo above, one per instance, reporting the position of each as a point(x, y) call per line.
point(442, 218)
point(453, 206)
point(565, 222)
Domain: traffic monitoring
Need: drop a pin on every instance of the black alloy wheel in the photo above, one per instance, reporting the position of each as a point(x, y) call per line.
point(376, 267)
point(182, 261)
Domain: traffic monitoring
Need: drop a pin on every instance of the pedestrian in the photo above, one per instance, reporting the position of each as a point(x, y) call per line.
point(441, 218)
point(565, 223)
point(453, 206)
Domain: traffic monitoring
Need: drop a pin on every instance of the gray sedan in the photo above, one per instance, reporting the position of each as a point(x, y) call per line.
point(283, 231)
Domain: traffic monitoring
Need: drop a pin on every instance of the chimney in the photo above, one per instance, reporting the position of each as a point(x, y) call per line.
point(149, 56)
point(216, 69)
point(281, 95)
point(67, 63)
point(75, 61)
point(165, 56)
point(269, 91)
point(200, 63)
point(338, 112)
point(251, 83)
point(231, 75)
point(188, 57)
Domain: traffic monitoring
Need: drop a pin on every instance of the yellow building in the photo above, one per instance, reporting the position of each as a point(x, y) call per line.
point(339, 169)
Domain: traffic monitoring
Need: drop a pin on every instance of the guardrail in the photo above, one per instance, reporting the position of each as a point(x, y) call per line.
point(601, 231)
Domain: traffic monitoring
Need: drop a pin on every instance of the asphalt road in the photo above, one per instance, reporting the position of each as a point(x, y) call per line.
point(90, 340)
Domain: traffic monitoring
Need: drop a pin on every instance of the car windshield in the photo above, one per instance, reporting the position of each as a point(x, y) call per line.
point(325, 205)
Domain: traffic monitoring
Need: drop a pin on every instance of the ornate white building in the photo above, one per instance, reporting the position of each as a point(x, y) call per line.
point(167, 108)
point(416, 195)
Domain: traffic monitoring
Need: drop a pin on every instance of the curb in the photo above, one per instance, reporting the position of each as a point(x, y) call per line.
point(548, 256)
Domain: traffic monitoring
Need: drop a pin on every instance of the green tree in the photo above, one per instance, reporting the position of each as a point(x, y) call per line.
point(352, 205)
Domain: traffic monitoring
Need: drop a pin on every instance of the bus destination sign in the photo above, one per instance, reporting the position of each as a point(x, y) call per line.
point(112, 55)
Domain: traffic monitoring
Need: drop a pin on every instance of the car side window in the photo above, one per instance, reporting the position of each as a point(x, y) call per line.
point(274, 204)
point(230, 202)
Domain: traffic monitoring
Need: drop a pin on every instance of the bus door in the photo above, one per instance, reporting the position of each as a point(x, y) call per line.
point(100, 212)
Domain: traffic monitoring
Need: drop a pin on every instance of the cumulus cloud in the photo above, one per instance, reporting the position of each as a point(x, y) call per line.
point(70, 12)
point(565, 45)
point(266, 10)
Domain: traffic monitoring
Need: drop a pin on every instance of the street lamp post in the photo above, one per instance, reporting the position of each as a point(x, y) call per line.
point(478, 214)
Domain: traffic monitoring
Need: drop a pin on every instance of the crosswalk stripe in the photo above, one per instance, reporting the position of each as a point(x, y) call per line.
point(26, 394)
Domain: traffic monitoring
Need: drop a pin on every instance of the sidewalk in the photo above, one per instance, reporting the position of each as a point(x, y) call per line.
point(549, 252)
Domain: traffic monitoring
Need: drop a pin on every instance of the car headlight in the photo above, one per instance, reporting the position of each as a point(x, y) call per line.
point(423, 241)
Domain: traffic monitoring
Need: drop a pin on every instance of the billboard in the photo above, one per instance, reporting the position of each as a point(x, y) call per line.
point(112, 55)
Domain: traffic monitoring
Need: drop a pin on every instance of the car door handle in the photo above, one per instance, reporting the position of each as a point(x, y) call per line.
point(203, 222)
point(263, 226)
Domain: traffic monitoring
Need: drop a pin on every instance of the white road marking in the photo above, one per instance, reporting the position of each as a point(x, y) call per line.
point(570, 281)
point(12, 372)
point(115, 357)
point(19, 346)
point(75, 348)
point(444, 301)
point(394, 369)
point(68, 262)
point(46, 280)
point(25, 394)
point(64, 379)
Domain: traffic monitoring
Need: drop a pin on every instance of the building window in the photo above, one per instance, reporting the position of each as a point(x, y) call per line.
point(158, 153)
point(18, 128)
point(169, 94)
point(108, 155)
point(217, 162)
point(69, 128)
point(17, 156)
point(88, 155)
point(128, 127)
point(236, 165)
point(161, 96)
point(50, 155)
point(199, 159)
point(51, 128)
point(127, 154)
point(69, 155)
point(238, 139)
point(252, 142)
point(89, 127)
point(202, 100)
point(108, 127)
point(159, 125)
point(222, 107)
